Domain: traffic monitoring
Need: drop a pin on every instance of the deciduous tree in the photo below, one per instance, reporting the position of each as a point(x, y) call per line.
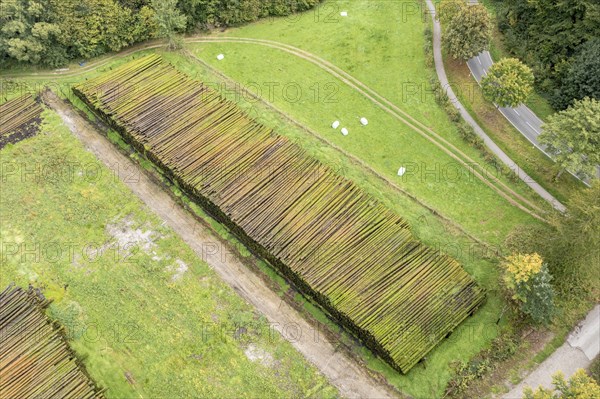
point(169, 21)
point(508, 82)
point(448, 9)
point(527, 281)
point(573, 136)
point(469, 32)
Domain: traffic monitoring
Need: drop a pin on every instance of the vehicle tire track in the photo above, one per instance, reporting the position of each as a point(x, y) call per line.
point(503, 190)
point(506, 192)
point(353, 158)
point(331, 67)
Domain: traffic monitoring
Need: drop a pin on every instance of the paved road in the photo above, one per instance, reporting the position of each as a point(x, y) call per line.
point(582, 346)
point(521, 117)
point(441, 72)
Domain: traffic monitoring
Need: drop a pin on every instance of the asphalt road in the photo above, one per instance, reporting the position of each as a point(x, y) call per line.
point(521, 117)
point(497, 151)
point(582, 346)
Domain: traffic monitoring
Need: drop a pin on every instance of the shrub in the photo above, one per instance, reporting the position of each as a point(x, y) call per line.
point(527, 282)
point(579, 386)
point(465, 373)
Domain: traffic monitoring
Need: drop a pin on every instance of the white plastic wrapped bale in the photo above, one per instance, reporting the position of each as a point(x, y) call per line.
point(220, 57)
point(364, 121)
point(335, 124)
point(401, 171)
point(344, 13)
point(344, 131)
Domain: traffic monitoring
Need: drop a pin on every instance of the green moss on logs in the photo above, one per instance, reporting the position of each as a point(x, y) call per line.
point(337, 244)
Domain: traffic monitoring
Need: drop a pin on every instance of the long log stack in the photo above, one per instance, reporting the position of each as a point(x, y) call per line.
point(19, 119)
point(340, 246)
point(35, 360)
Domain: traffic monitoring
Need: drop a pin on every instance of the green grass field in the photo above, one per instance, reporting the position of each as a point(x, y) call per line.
point(380, 43)
point(385, 144)
point(149, 318)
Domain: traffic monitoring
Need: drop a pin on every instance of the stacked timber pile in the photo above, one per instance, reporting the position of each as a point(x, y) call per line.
point(19, 119)
point(339, 245)
point(35, 360)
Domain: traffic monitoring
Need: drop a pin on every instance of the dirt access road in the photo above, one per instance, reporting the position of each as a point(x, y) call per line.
point(345, 373)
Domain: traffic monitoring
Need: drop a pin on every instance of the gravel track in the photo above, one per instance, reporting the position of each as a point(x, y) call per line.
point(342, 370)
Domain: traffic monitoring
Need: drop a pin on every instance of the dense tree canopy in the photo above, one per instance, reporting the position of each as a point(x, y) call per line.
point(508, 82)
point(547, 34)
point(92, 27)
point(573, 136)
point(28, 33)
point(169, 20)
point(468, 32)
point(52, 32)
point(582, 78)
point(210, 13)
